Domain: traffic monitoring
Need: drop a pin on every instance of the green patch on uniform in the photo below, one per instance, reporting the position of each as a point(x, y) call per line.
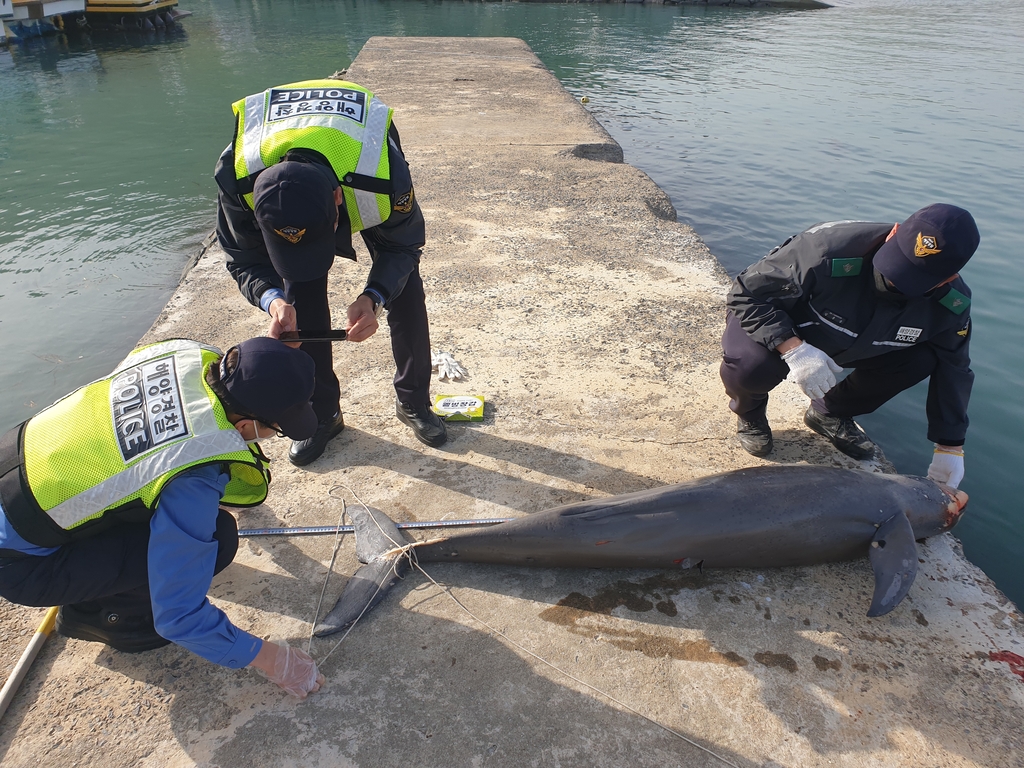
point(459, 407)
point(846, 267)
point(955, 301)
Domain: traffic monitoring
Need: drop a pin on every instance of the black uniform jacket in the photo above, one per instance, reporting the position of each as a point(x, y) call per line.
point(819, 286)
point(394, 246)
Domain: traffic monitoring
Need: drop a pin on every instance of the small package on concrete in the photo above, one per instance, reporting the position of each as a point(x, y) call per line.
point(459, 407)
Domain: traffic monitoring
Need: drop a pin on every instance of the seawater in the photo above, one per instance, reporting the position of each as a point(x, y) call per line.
point(758, 123)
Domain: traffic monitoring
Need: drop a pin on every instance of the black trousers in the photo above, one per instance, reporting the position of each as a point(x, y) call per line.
point(410, 342)
point(750, 372)
point(110, 568)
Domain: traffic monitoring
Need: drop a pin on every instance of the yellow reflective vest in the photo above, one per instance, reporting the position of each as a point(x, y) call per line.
point(342, 121)
point(105, 452)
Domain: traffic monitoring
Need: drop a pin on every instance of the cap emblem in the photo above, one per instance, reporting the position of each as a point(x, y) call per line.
point(927, 245)
point(293, 235)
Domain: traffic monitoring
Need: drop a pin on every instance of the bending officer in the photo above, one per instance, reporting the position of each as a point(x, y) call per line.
point(110, 498)
point(312, 163)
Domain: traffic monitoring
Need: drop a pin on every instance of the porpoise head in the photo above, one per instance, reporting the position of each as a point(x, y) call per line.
point(955, 506)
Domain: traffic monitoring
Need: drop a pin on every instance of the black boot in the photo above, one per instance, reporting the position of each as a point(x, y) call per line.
point(428, 426)
point(755, 434)
point(306, 451)
point(842, 432)
point(90, 621)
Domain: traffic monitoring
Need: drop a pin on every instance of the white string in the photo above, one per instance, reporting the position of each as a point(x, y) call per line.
point(406, 550)
point(330, 569)
point(399, 547)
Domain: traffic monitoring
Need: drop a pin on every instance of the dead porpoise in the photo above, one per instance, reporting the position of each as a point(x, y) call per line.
point(749, 518)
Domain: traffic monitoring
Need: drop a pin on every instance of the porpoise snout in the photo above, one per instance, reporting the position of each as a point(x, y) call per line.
point(955, 507)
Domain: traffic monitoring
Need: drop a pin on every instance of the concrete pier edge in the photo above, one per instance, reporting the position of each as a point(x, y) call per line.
point(589, 317)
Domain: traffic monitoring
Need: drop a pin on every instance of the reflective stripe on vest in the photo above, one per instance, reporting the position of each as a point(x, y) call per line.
point(367, 125)
point(122, 438)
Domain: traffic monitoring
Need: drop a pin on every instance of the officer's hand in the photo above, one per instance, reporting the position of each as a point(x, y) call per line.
point(812, 370)
point(283, 319)
point(947, 465)
point(289, 667)
point(362, 322)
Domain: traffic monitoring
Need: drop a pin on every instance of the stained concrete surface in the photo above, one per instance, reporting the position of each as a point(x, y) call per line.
point(589, 318)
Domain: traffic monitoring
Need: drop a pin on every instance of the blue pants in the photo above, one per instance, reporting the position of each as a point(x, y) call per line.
point(110, 569)
point(750, 372)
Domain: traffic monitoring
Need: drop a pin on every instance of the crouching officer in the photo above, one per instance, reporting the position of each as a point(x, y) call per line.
point(312, 163)
point(886, 301)
point(110, 498)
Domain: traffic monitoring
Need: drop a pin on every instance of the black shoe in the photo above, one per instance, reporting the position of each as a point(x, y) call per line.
point(755, 435)
point(306, 451)
point(131, 634)
point(428, 426)
point(842, 432)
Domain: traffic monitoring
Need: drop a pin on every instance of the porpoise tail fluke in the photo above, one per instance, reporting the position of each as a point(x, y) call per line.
point(378, 545)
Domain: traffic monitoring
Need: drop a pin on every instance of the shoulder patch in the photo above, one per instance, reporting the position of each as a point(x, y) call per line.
point(955, 302)
point(291, 234)
point(403, 203)
point(846, 267)
point(963, 331)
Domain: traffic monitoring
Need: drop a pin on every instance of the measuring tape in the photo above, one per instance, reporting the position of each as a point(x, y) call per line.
point(320, 530)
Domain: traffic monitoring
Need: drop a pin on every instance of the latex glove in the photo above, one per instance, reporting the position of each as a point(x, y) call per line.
point(292, 669)
point(446, 366)
point(812, 370)
point(947, 467)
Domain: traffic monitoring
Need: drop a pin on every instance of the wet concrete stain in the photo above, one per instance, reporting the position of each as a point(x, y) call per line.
point(876, 638)
point(919, 617)
point(649, 594)
point(824, 664)
point(770, 659)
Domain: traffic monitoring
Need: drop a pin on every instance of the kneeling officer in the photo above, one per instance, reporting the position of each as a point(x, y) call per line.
point(888, 303)
point(110, 498)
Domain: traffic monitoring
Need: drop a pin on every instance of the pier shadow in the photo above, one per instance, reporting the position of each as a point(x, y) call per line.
point(445, 468)
point(428, 692)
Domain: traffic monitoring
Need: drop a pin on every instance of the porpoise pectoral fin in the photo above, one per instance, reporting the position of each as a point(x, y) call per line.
point(377, 542)
point(893, 556)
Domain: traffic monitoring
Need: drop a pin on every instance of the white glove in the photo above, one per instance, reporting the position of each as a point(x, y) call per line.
point(292, 669)
point(947, 468)
point(812, 370)
point(446, 366)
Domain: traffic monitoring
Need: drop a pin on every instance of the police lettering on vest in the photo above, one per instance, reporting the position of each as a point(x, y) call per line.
point(342, 121)
point(106, 451)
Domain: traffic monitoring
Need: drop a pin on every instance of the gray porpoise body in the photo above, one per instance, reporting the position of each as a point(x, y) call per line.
point(750, 518)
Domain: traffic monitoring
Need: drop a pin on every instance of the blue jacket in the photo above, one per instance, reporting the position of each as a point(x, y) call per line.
point(181, 557)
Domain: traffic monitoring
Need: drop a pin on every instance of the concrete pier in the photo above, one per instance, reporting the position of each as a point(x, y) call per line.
point(589, 318)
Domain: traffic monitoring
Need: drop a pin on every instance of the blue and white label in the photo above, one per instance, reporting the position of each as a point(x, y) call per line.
point(146, 405)
point(286, 103)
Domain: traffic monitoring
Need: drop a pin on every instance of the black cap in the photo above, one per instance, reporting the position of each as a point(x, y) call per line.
point(294, 206)
point(274, 383)
point(929, 247)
